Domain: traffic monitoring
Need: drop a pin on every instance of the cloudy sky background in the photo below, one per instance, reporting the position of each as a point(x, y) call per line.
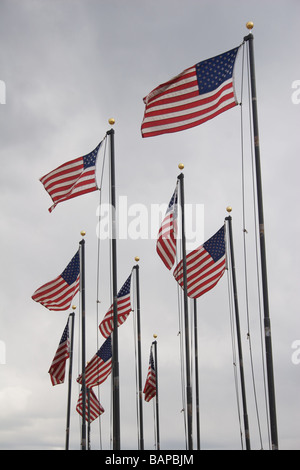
point(69, 66)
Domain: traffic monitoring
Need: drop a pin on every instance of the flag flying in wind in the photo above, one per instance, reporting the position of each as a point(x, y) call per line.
point(96, 409)
point(150, 384)
point(99, 367)
point(74, 178)
point(58, 294)
point(166, 241)
point(205, 266)
point(123, 309)
point(194, 96)
point(58, 367)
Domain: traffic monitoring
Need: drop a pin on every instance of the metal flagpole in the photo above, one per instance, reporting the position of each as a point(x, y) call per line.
point(267, 323)
point(196, 374)
point(138, 321)
point(70, 381)
point(154, 343)
point(189, 405)
point(83, 361)
point(89, 417)
point(238, 332)
point(115, 343)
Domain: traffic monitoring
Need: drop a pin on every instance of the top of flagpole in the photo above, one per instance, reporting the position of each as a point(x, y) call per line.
point(249, 26)
point(111, 131)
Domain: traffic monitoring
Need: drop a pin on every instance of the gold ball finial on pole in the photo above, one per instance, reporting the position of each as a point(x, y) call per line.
point(74, 307)
point(181, 166)
point(111, 121)
point(82, 233)
point(154, 336)
point(137, 259)
point(250, 25)
point(229, 208)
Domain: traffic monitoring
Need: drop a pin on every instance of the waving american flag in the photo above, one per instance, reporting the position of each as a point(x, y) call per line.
point(205, 266)
point(58, 367)
point(166, 241)
point(58, 294)
point(96, 409)
point(123, 308)
point(73, 178)
point(196, 95)
point(150, 384)
point(99, 367)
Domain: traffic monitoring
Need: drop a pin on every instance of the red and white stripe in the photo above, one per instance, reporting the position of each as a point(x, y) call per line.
point(123, 308)
point(56, 294)
point(203, 273)
point(58, 367)
point(99, 367)
point(150, 384)
point(96, 409)
point(191, 98)
point(166, 242)
point(69, 180)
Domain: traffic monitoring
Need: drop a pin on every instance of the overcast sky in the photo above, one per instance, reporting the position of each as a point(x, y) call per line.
point(70, 65)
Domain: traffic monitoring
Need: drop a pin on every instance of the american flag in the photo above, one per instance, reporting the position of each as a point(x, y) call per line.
point(123, 309)
point(96, 409)
point(99, 367)
point(58, 367)
point(166, 241)
point(58, 294)
point(150, 384)
point(74, 178)
point(205, 266)
point(194, 96)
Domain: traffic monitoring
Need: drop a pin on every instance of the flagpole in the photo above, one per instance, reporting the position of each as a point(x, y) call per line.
point(115, 345)
point(267, 323)
point(70, 381)
point(196, 373)
point(238, 332)
point(186, 320)
point(89, 417)
point(83, 360)
point(138, 321)
point(154, 343)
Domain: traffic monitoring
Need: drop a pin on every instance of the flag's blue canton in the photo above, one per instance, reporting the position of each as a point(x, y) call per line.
point(152, 361)
point(173, 200)
point(173, 203)
point(71, 272)
point(125, 288)
point(105, 352)
point(211, 73)
point(65, 334)
point(90, 158)
point(215, 246)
